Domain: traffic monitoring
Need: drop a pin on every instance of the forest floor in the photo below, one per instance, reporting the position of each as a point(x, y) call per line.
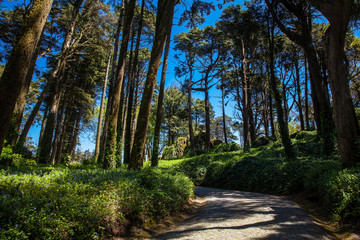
point(225, 214)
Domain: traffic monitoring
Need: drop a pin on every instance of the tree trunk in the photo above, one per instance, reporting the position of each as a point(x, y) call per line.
point(42, 127)
point(113, 108)
point(129, 123)
point(246, 88)
point(163, 20)
point(98, 134)
point(298, 90)
point(283, 127)
point(18, 113)
point(76, 134)
point(223, 112)
point(112, 83)
point(16, 69)
point(32, 116)
point(57, 134)
point(159, 111)
point(207, 113)
point(57, 80)
point(190, 120)
point(307, 122)
point(338, 13)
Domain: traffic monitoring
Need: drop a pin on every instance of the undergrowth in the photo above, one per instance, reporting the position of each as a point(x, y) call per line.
point(42, 202)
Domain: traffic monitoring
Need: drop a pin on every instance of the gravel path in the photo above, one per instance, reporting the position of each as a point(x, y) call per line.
point(243, 215)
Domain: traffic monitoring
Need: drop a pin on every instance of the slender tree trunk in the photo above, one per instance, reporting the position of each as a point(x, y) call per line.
point(207, 113)
point(32, 116)
point(129, 124)
point(76, 135)
point(307, 122)
point(62, 138)
point(97, 146)
point(298, 90)
point(252, 126)
point(159, 111)
point(111, 85)
point(223, 112)
point(190, 120)
point(113, 108)
point(265, 112)
point(57, 80)
point(57, 134)
point(284, 131)
point(42, 127)
point(163, 20)
point(16, 69)
point(246, 103)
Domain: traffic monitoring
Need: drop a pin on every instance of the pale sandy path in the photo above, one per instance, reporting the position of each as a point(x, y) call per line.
point(243, 215)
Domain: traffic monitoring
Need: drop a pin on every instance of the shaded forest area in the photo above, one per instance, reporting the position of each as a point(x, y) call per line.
point(288, 68)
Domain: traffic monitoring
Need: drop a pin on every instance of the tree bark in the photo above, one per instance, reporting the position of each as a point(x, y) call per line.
point(298, 90)
point(16, 69)
point(283, 127)
point(129, 123)
point(338, 14)
point(97, 146)
point(159, 111)
point(32, 116)
point(18, 113)
point(223, 112)
point(111, 85)
point(163, 20)
point(207, 113)
point(307, 122)
point(113, 108)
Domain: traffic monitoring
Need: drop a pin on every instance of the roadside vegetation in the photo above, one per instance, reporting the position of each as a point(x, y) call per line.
point(265, 169)
point(85, 201)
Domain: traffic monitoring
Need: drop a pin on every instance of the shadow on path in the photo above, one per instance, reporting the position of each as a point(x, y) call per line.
point(244, 215)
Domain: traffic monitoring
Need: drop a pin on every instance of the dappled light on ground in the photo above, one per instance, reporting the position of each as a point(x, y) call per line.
point(244, 215)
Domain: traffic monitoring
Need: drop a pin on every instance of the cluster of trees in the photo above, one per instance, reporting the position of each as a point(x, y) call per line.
point(274, 59)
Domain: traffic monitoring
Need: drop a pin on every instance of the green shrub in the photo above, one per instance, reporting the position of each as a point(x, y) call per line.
point(341, 192)
point(176, 150)
point(169, 152)
point(229, 147)
point(50, 203)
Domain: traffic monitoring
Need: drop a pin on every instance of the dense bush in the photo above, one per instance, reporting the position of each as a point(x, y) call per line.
point(9, 158)
point(229, 147)
point(71, 203)
point(176, 150)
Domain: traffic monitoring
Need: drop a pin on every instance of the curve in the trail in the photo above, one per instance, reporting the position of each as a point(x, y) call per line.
point(244, 215)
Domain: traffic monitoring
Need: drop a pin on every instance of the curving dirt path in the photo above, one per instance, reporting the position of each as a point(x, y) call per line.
point(243, 215)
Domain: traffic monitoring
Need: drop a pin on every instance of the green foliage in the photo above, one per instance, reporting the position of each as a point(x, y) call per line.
point(265, 169)
point(8, 157)
point(176, 150)
point(223, 147)
point(58, 203)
